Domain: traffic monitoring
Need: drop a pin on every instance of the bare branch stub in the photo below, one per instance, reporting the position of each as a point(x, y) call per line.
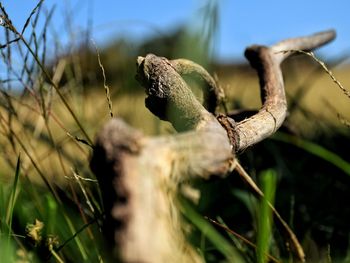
point(139, 176)
point(169, 97)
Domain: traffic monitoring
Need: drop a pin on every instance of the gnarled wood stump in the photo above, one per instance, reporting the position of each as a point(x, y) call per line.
point(139, 176)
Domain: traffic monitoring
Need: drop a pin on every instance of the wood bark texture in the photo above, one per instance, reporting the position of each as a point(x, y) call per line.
point(140, 176)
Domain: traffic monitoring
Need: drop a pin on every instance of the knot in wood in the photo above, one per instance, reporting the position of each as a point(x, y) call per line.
point(230, 126)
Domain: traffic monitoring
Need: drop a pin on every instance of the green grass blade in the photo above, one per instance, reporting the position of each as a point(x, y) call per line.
point(210, 232)
point(13, 196)
point(79, 243)
point(51, 209)
point(315, 149)
point(268, 179)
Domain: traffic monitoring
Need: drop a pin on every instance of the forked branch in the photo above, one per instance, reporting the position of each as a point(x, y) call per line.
point(139, 176)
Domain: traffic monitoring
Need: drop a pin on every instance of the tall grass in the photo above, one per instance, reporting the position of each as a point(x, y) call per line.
point(211, 234)
point(315, 149)
point(268, 179)
point(39, 118)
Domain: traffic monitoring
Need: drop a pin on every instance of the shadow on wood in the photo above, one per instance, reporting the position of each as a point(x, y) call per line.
point(140, 176)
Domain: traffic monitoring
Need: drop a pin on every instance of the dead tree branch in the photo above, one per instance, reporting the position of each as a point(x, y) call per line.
point(140, 176)
point(213, 94)
point(267, 62)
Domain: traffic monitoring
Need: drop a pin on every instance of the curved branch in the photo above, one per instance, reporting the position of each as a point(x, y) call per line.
point(266, 61)
point(213, 94)
point(287, 47)
point(139, 176)
point(169, 97)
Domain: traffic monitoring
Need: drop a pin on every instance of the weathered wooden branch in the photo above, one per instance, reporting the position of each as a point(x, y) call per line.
point(139, 176)
point(267, 62)
point(212, 93)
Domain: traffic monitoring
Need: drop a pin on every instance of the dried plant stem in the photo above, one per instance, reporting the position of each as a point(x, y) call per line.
point(108, 96)
point(323, 65)
point(11, 27)
point(245, 240)
point(56, 87)
point(291, 236)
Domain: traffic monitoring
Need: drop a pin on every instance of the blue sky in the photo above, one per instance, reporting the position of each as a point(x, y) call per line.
point(242, 23)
